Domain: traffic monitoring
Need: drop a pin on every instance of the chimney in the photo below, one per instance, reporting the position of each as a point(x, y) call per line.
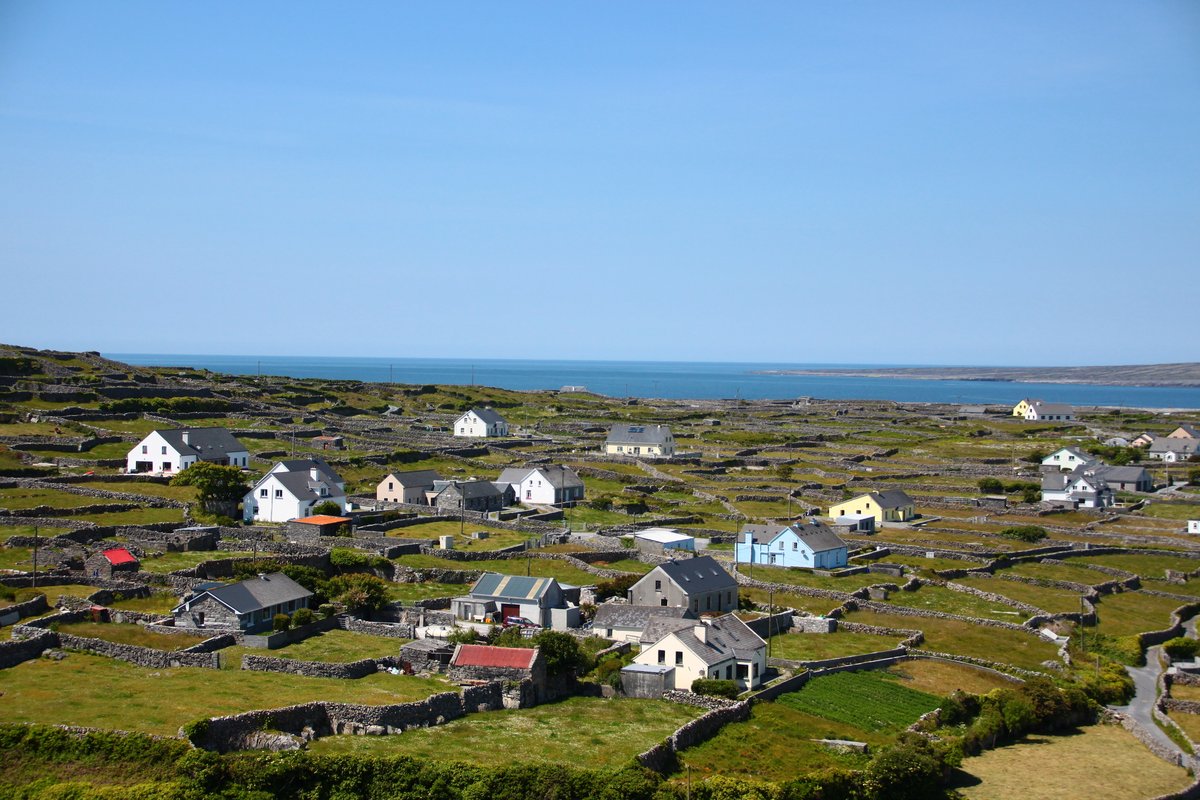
point(185, 436)
point(313, 473)
point(700, 631)
point(262, 576)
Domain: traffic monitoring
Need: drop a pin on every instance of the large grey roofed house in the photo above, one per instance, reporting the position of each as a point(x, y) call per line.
point(255, 594)
point(1168, 445)
point(819, 537)
point(658, 627)
point(1121, 474)
point(702, 574)
point(723, 637)
point(306, 464)
point(626, 433)
point(204, 443)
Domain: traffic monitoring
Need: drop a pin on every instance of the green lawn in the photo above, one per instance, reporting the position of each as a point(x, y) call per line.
point(157, 603)
point(1146, 565)
point(610, 732)
point(801, 602)
point(818, 646)
point(102, 692)
point(186, 559)
point(339, 647)
point(1026, 650)
point(28, 530)
point(803, 577)
point(939, 598)
point(775, 744)
point(869, 700)
point(626, 565)
point(1058, 571)
point(1176, 511)
point(1127, 613)
point(28, 498)
point(186, 494)
point(1044, 597)
point(128, 633)
point(411, 592)
point(141, 516)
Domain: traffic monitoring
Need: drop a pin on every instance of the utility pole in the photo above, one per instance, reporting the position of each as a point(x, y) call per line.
point(390, 381)
point(35, 551)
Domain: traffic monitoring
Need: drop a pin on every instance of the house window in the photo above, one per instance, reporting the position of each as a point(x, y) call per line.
point(262, 492)
point(755, 673)
point(729, 672)
point(708, 603)
point(795, 546)
point(658, 586)
point(678, 658)
point(145, 449)
point(662, 656)
point(279, 494)
point(164, 450)
point(390, 486)
point(662, 602)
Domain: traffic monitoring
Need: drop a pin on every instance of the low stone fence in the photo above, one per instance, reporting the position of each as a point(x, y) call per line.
point(389, 629)
point(29, 608)
point(780, 622)
point(16, 651)
point(133, 654)
point(662, 757)
point(1178, 617)
point(792, 684)
point(320, 669)
point(310, 721)
point(832, 664)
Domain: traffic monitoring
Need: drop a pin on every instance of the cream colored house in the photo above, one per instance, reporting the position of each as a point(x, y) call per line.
point(892, 505)
point(1022, 408)
point(722, 649)
point(651, 441)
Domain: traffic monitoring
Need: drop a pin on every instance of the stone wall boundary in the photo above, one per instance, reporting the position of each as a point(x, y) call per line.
point(17, 651)
point(29, 608)
point(320, 669)
point(662, 757)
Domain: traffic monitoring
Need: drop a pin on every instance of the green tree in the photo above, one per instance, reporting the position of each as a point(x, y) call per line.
point(991, 485)
point(327, 507)
point(358, 591)
point(562, 653)
point(783, 471)
point(216, 486)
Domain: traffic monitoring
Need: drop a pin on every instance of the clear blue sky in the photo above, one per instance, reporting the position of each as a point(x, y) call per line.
point(941, 183)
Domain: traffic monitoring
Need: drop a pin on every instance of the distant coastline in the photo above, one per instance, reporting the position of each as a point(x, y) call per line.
point(1181, 375)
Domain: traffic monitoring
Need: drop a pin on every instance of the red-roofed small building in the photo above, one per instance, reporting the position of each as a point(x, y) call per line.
point(102, 565)
point(311, 529)
point(481, 662)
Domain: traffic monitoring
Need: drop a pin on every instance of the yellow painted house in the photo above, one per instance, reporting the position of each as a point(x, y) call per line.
point(1022, 408)
point(892, 505)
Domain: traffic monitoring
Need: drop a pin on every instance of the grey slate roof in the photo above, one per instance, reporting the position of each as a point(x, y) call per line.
point(1122, 474)
point(628, 433)
point(488, 416)
point(1052, 408)
point(306, 464)
point(892, 498)
point(724, 638)
point(415, 477)
point(701, 574)
point(204, 443)
point(1169, 445)
point(255, 594)
point(302, 486)
point(1190, 430)
point(624, 615)
point(470, 489)
point(559, 477)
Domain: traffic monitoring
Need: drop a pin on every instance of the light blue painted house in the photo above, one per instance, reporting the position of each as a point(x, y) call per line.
point(799, 545)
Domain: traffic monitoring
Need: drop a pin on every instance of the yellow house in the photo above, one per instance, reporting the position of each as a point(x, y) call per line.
point(892, 505)
point(1022, 408)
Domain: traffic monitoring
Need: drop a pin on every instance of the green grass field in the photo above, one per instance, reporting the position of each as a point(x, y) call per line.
point(868, 700)
point(186, 559)
point(803, 577)
point(128, 633)
point(611, 732)
point(1150, 566)
point(102, 692)
point(818, 646)
point(1044, 597)
point(939, 598)
point(340, 646)
point(1058, 571)
point(1098, 761)
point(186, 494)
point(1126, 613)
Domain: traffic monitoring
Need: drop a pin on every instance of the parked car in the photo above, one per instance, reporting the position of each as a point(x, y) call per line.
point(520, 622)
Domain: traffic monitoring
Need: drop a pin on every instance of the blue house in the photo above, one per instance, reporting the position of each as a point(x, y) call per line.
point(800, 545)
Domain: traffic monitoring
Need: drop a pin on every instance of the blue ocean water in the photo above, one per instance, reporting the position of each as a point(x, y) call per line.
point(672, 379)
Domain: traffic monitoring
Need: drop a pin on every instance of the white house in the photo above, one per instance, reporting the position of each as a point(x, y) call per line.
point(480, 422)
point(1067, 459)
point(724, 648)
point(1083, 488)
point(172, 450)
point(1172, 450)
point(796, 545)
point(653, 441)
point(1039, 411)
point(1193, 526)
point(291, 489)
point(661, 540)
point(543, 485)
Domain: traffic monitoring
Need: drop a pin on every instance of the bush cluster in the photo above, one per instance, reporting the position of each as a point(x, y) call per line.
point(716, 688)
point(1026, 533)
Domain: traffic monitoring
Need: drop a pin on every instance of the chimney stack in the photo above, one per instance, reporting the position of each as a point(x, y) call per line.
point(700, 631)
point(185, 436)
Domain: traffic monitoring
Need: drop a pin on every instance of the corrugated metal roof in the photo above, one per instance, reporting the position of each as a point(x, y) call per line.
point(515, 587)
point(119, 555)
point(321, 519)
point(483, 655)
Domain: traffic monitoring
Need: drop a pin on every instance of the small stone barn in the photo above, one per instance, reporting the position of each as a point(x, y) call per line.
point(248, 605)
point(311, 529)
point(481, 662)
point(115, 560)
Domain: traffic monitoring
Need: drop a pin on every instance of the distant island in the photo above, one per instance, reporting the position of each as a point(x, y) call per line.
point(1187, 374)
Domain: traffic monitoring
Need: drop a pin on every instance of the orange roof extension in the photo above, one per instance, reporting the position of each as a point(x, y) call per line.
point(322, 519)
point(483, 655)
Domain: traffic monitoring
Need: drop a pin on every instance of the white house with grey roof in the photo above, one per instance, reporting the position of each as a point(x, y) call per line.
point(481, 422)
point(798, 545)
point(1082, 488)
point(291, 489)
point(1040, 411)
point(623, 622)
point(1067, 459)
point(173, 450)
point(724, 648)
point(644, 441)
point(248, 605)
point(700, 584)
point(545, 485)
point(1171, 450)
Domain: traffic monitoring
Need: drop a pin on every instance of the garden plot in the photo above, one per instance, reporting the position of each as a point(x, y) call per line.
point(820, 646)
point(939, 598)
point(1046, 598)
point(1127, 613)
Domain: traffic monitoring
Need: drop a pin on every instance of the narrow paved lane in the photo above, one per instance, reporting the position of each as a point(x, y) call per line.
point(1144, 679)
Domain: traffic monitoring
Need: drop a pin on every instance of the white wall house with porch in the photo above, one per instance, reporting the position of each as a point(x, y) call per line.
point(170, 451)
point(723, 649)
